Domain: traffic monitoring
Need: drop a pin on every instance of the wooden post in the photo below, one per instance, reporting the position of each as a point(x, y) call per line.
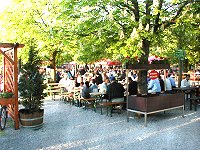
point(180, 72)
point(16, 113)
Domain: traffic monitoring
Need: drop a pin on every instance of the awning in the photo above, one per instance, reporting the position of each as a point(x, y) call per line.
point(114, 63)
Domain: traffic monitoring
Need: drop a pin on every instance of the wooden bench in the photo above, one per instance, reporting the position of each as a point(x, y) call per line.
point(53, 89)
point(87, 102)
point(109, 106)
point(194, 101)
point(65, 96)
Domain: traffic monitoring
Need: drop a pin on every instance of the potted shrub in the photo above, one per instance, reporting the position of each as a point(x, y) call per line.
point(31, 92)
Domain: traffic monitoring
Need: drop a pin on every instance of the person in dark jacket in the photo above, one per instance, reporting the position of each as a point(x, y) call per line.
point(162, 84)
point(98, 78)
point(132, 87)
point(85, 93)
point(115, 91)
point(58, 76)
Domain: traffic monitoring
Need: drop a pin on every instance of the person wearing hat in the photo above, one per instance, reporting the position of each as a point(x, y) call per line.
point(115, 91)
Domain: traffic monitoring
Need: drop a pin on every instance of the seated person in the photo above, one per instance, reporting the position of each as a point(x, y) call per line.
point(85, 93)
point(66, 83)
point(132, 87)
point(104, 87)
point(93, 86)
point(186, 82)
point(154, 86)
point(115, 91)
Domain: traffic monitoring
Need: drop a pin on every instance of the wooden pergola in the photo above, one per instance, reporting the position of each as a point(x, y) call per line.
point(10, 79)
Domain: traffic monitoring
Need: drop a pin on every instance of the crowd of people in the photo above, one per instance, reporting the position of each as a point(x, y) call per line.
point(112, 82)
point(97, 80)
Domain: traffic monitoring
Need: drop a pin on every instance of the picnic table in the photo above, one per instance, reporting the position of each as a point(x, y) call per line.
point(191, 94)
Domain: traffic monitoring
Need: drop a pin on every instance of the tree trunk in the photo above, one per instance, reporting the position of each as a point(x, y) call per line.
point(54, 65)
point(186, 65)
point(142, 75)
point(142, 82)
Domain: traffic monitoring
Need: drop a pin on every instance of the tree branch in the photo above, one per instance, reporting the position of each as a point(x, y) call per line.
point(166, 25)
point(128, 6)
point(148, 10)
point(136, 10)
point(41, 18)
point(121, 25)
point(158, 16)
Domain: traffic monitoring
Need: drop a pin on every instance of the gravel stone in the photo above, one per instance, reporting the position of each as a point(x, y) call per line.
point(70, 127)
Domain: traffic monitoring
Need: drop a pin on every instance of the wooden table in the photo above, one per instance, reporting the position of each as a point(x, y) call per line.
point(189, 92)
point(97, 98)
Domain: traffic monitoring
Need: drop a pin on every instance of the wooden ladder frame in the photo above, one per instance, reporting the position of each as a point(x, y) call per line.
point(10, 79)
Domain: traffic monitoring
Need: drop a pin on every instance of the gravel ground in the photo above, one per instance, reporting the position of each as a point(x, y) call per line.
point(69, 127)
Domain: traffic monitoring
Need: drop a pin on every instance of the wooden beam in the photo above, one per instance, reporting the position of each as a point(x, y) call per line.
point(11, 45)
point(8, 58)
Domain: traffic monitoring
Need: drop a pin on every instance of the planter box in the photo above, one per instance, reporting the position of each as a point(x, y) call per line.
point(6, 101)
point(31, 120)
point(153, 104)
point(147, 66)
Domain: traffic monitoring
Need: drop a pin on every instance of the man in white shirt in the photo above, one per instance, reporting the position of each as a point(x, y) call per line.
point(186, 82)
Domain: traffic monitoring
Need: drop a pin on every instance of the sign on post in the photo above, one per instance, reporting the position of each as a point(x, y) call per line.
point(180, 53)
point(153, 74)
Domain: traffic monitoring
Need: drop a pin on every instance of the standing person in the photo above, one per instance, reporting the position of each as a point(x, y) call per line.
point(162, 84)
point(98, 78)
point(58, 76)
point(168, 85)
point(115, 91)
point(172, 80)
point(186, 82)
point(132, 87)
